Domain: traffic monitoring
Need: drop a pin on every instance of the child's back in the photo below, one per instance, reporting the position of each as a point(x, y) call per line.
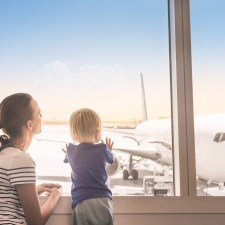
point(91, 197)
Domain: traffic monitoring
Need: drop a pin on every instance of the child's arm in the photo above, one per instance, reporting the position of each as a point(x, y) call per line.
point(109, 144)
point(66, 157)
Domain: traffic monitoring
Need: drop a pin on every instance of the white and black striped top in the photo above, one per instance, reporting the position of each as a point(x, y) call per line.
point(16, 167)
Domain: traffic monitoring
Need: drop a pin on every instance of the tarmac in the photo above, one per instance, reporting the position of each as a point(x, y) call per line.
point(122, 187)
point(135, 187)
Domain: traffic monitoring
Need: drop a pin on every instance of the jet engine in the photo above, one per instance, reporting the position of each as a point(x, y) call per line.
point(113, 168)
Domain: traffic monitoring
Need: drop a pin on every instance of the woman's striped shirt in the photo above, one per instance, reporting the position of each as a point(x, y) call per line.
point(16, 167)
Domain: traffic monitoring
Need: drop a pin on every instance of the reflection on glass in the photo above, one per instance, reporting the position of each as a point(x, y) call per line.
point(208, 53)
point(92, 54)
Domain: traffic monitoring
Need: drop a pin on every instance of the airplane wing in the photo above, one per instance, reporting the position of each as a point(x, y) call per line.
point(156, 150)
point(128, 132)
point(140, 151)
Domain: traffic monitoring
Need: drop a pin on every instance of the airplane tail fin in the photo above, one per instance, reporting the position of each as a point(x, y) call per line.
point(144, 105)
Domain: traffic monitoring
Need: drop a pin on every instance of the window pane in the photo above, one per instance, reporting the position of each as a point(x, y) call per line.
point(73, 54)
point(208, 54)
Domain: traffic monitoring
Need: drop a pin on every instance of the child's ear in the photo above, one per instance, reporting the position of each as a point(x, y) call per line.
point(98, 135)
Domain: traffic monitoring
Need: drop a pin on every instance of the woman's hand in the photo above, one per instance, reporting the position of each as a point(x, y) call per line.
point(47, 187)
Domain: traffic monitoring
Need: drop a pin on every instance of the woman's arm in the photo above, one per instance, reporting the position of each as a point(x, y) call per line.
point(34, 212)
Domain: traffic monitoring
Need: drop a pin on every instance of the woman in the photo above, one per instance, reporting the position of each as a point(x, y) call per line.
point(20, 120)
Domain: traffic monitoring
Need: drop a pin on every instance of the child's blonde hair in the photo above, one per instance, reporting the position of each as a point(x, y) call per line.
point(84, 125)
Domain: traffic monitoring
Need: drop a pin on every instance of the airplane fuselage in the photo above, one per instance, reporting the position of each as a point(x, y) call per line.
point(210, 155)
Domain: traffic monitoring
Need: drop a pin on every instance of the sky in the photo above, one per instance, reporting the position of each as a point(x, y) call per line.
point(90, 53)
point(208, 55)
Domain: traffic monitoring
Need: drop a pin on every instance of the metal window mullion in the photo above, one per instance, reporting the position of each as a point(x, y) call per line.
point(182, 101)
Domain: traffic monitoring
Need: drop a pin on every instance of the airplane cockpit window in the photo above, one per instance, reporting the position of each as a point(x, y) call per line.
point(219, 137)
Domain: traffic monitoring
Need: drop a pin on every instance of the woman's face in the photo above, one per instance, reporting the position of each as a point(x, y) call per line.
point(36, 120)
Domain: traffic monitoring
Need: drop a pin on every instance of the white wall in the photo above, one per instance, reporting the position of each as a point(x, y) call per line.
point(144, 210)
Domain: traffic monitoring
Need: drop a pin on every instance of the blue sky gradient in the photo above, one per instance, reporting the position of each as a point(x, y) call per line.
point(208, 55)
point(90, 53)
point(72, 54)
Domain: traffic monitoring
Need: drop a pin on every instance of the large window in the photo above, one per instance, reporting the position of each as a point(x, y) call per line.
point(208, 53)
point(106, 55)
point(115, 58)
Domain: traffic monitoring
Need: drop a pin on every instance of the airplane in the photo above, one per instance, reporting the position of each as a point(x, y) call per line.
point(209, 145)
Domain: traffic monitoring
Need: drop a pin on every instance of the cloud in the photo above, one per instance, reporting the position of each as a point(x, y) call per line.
point(101, 74)
point(100, 71)
point(89, 73)
point(56, 70)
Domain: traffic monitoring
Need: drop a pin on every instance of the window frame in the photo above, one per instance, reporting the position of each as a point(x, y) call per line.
point(186, 203)
point(182, 98)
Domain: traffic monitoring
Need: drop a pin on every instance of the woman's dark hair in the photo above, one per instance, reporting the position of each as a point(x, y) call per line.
point(15, 111)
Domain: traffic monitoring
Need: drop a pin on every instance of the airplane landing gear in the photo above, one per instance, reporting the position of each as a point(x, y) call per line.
point(132, 173)
point(125, 174)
